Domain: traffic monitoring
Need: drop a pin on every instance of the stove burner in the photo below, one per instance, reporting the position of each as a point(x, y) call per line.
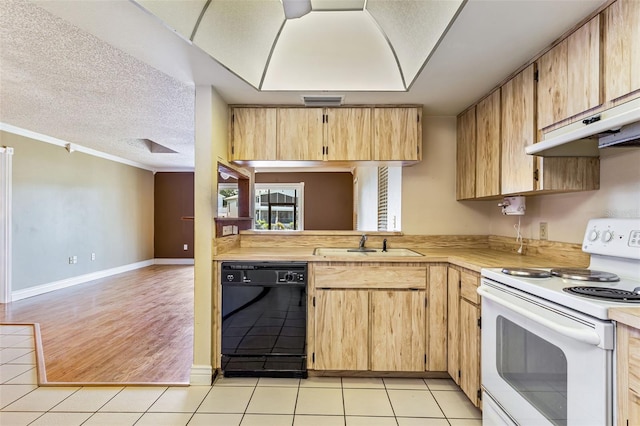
point(526, 272)
point(585, 275)
point(605, 293)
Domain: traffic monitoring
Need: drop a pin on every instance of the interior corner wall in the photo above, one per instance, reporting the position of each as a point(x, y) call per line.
point(173, 215)
point(328, 197)
point(429, 205)
point(74, 204)
point(567, 215)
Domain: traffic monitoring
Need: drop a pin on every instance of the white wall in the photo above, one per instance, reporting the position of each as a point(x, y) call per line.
point(567, 214)
point(429, 205)
point(366, 198)
point(394, 199)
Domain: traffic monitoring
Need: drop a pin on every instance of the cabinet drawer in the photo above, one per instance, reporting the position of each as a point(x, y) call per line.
point(370, 277)
point(468, 286)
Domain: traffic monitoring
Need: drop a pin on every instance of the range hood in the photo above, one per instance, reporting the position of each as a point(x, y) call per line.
point(617, 126)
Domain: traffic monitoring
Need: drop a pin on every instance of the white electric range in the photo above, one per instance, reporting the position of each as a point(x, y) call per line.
point(547, 352)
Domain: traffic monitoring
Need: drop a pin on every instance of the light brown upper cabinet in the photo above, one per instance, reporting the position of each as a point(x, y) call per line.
point(397, 134)
point(569, 76)
point(253, 134)
point(300, 134)
point(466, 155)
point(488, 146)
point(348, 134)
point(621, 49)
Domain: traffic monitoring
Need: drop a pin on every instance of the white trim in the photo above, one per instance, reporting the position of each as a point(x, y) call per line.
point(179, 261)
point(201, 375)
point(72, 146)
point(80, 279)
point(6, 154)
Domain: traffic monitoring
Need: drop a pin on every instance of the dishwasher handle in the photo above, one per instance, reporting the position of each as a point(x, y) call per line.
point(586, 336)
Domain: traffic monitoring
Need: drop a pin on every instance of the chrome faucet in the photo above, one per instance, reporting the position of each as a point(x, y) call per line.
point(363, 240)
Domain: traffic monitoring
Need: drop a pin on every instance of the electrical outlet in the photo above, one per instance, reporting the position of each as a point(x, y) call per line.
point(544, 231)
point(185, 247)
point(93, 256)
point(75, 259)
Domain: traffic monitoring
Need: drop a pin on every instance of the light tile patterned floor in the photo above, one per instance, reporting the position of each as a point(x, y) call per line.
point(316, 401)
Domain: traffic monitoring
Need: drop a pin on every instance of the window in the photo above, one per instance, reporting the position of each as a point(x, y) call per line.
point(279, 206)
point(228, 199)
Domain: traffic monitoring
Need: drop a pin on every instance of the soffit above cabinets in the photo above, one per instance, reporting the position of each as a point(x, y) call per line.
point(349, 45)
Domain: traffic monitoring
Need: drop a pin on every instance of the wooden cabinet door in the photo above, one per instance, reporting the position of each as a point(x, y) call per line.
point(469, 350)
point(253, 134)
point(300, 134)
point(453, 324)
point(397, 330)
point(518, 131)
point(397, 134)
point(348, 134)
point(437, 316)
point(621, 62)
point(466, 155)
point(569, 76)
point(488, 146)
point(628, 375)
point(342, 330)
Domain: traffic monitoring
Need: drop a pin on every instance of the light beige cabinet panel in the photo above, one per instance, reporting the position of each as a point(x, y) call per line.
point(569, 76)
point(466, 155)
point(397, 134)
point(348, 134)
point(488, 146)
point(342, 330)
point(628, 375)
point(453, 324)
point(437, 316)
point(518, 131)
point(300, 134)
point(470, 350)
point(397, 330)
point(253, 134)
point(621, 62)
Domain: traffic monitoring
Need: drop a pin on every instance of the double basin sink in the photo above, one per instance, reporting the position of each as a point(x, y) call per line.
point(391, 252)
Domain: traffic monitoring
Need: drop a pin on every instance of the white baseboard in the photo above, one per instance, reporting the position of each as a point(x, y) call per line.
point(181, 261)
point(201, 375)
point(80, 279)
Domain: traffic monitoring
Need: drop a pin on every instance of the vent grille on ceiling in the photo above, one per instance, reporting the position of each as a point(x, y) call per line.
point(317, 101)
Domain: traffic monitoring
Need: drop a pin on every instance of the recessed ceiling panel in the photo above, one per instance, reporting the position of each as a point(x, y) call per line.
point(342, 51)
point(413, 28)
point(337, 4)
point(240, 34)
point(181, 15)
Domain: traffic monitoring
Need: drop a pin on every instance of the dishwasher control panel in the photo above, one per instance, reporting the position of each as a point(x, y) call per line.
point(264, 273)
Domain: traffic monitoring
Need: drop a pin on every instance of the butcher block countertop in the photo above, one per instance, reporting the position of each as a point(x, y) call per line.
point(473, 259)
point(627, 316)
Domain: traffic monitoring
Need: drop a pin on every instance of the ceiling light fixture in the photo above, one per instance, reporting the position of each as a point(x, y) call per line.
point(296, 8)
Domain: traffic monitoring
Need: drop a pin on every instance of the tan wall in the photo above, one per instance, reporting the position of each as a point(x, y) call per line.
point(429, 205)
point(567, 214)
point(173, 201)
point(328, 197)
point(74, 205)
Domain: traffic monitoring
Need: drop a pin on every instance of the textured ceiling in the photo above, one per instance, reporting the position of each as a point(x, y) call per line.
point(63, 82)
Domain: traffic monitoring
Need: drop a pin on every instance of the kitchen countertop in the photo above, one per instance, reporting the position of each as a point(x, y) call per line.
point(473, 259)
point(627, 316)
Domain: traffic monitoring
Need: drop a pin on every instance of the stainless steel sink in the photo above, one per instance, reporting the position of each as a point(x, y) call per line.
point(392, 252)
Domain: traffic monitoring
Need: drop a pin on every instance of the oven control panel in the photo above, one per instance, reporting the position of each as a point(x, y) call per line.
point(619, 237)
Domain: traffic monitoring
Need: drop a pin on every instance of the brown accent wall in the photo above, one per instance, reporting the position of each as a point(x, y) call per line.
point(173, 215)
point(328, 197)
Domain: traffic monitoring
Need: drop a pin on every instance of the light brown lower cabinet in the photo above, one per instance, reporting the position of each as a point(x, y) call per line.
point(463, 330)
point(628, 375)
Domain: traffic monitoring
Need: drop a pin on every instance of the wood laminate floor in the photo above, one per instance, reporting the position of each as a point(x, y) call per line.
point(135, 327)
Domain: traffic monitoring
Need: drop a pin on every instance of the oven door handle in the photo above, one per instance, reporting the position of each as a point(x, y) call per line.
point(585, 336)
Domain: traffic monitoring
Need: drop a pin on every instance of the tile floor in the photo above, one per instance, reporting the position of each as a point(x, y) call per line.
point(230, 402)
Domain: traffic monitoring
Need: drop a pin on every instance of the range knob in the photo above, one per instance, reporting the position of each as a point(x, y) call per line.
point(593, 235)
point(607, 236)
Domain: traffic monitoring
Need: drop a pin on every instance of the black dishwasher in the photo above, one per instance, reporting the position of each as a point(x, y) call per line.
point(264, 319)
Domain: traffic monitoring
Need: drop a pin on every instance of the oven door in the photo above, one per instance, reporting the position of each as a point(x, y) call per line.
point(544, 364)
